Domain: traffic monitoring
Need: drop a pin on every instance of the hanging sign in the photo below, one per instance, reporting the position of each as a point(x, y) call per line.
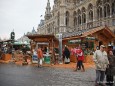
point(75, 41)
point(90, 38)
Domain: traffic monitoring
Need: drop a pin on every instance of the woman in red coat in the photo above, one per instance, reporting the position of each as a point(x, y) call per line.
point(80, 58)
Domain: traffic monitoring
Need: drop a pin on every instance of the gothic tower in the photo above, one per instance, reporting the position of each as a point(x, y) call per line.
point(48, 11)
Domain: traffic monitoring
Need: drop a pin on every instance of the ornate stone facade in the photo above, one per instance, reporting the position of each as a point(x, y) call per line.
point(68, 16)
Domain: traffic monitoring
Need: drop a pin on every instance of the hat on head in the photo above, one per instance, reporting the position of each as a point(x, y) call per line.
point(102, 46)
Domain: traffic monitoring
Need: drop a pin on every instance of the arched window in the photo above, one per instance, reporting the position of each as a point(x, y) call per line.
point(67, 18)
point(99, 8)
point(75, 19)
point(83, 15)
point(113, 7)
point(58, 21)
point(106, 10)
point(79, 17)
point(99, 12)
point(83, 18)
point(91, 15)
point(79, 20)
point(105, 14)
point(90, 8)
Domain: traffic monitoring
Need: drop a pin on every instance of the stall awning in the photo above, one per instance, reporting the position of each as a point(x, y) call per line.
point(42, 38)
point(102, 31)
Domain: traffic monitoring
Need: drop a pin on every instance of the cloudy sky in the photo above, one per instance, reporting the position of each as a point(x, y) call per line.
point(20, 15)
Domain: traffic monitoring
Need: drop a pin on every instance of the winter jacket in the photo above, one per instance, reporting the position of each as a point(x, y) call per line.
point(40, 53)
point(80, 56)
point(101, 60)
point(66, 53)
point(111, 67)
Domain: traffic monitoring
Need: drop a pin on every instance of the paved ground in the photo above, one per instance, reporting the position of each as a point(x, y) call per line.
point(17, 75)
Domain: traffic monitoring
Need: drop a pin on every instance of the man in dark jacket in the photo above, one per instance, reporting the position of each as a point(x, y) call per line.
point(110, 71)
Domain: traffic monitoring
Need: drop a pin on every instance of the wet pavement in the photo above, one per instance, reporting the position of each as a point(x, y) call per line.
point(29, 75)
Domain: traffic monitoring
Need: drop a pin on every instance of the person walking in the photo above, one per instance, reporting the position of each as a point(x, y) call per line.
point(110, 71)
point(80, 59)
point(101, 62)
point(66, 54)
point(40, 56)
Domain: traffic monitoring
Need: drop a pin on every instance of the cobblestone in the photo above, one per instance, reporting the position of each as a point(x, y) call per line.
point(32, 76)
point(16, 75)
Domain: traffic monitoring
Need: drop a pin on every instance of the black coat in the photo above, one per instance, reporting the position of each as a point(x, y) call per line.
point(111, 67)
point(66, 53)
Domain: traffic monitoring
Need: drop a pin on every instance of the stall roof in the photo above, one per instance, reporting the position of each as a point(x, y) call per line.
point(9, 40)
point(42, 38)
point(103, 30)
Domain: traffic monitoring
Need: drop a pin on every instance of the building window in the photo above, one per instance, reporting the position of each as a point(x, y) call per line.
point(99, 13)
point(79, 17)
point(91, 15)
point(106, 10)
point(75, 19)
point(58, 21)
point(79, 20)
point(99, 9)
point(90, 8)
point(113, 7)
point(83, 15)
point(84, 18)
point(75, 22)
point(67, 18)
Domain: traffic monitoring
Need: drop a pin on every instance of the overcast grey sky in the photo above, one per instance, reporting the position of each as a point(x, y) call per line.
point(20, 15)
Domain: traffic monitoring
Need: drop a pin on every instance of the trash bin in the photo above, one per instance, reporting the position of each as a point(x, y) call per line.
point(47, 59)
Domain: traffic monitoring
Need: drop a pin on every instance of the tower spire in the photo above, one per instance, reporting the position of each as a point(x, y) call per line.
point(48, 11)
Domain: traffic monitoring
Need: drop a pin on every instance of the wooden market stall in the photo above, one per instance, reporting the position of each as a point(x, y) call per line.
point(49, 41)
point(89, 40)
point(6, 48)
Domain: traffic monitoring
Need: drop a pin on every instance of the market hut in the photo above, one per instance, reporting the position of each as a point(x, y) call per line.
point(49, 41)
point(6, 49)
point(89, 39)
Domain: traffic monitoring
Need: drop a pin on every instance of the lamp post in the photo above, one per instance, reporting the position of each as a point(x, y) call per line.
point(60, 47)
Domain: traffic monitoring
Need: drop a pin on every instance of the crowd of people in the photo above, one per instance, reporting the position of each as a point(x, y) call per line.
point(105, 66)
point(104, 61)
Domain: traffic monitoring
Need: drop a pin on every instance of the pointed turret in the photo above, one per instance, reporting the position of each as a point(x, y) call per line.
point(33, 31)
point(48, 11)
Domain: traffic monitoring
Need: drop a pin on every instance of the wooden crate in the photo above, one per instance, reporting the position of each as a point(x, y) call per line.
point(7, 57)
